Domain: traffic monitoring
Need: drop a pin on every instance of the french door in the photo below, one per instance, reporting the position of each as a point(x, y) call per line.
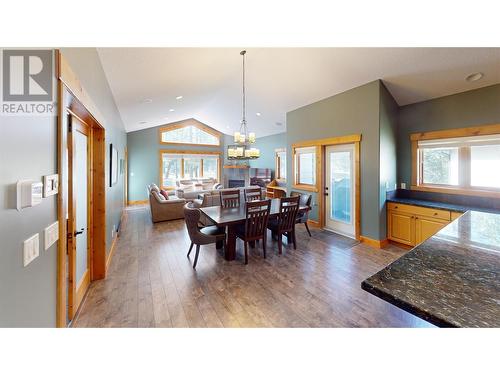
point(79, 213)
point(340, 189)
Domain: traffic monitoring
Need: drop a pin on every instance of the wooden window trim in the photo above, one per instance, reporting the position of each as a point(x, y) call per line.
point(277, 163)
point(464, 188)
point(321, 144)
point(188, 152)
point(184, 124)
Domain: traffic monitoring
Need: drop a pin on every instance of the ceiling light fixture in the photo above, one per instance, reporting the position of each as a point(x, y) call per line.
point(179, 97)
point(242, 149)
point(147, 100)
point(474, 77)
point(171, 110)
point(258, 113)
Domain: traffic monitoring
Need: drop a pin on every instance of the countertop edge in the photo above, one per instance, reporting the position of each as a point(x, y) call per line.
point(405, 306)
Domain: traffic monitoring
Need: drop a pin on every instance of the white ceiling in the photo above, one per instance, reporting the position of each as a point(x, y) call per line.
point(278, 80)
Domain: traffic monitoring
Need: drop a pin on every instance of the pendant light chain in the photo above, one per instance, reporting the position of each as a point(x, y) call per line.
point(242, 150)
point(243, 127)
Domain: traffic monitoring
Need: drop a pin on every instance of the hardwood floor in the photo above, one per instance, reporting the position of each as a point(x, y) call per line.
point(151, 283)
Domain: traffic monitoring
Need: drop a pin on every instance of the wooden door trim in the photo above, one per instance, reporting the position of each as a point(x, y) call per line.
point(77, 288)
point(357, 183)
point(77, 103)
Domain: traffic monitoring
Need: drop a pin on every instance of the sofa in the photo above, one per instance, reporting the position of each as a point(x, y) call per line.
point(191, 189)
point(163, 209)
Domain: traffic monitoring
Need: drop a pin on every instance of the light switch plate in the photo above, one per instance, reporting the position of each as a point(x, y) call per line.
point(31, 249)
point(50, 185)
point(51, 235)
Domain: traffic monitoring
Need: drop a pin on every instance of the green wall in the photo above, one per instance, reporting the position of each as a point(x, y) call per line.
point(267, 146)
point(470, 108)
point(388, 139)
point(143, 148)
point(86, 64)
point(29, 144)
point(352, 112)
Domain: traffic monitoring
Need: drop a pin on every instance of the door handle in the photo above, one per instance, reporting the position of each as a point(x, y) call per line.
point(79, 232)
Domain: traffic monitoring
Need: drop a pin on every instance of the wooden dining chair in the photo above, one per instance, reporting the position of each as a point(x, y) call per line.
point(230, 198)
point(200, 236)
point(285, 222)
point(253, 194)
point(304, 200)
point(255, 227)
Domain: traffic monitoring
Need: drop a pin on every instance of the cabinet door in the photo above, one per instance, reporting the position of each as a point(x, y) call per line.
point(400, 226)
point(427, 227)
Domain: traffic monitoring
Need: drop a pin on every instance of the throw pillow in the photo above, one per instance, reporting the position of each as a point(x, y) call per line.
point(164, 193)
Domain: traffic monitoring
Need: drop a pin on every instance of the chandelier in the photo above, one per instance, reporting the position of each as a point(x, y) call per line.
point(243, 140)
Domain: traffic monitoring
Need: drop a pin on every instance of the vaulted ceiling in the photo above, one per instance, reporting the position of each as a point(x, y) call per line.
point(146, 82)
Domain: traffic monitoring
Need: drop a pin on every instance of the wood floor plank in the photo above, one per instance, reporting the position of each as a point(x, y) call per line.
point(151, 283)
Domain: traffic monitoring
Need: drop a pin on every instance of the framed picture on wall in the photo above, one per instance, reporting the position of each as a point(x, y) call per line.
point(113, 165)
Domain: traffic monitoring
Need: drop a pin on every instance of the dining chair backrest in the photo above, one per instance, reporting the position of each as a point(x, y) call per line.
point(257, 216)
point(304, 200)
point(253, 194)
point(191, 217)
point(230, 198)
point(288, 213)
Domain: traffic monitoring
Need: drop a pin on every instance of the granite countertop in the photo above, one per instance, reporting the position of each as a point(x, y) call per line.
point(450, 280)
point(440, 205)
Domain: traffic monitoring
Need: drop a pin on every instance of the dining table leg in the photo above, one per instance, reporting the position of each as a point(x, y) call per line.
point(230, 252)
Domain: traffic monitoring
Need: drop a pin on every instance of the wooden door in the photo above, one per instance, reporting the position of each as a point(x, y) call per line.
point(427, 227)
point(401, 227)
point(340, 189)
point(79, 213)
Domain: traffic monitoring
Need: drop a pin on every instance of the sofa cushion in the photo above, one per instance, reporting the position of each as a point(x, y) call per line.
point(154, 187)
point(164, 193)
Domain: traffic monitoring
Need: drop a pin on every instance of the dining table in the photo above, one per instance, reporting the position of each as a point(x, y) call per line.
point(231, 217)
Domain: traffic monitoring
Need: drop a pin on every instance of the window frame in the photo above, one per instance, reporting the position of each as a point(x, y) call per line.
point(277, 159)
point(184, 124)
point(189, 153)
point(297, 184)
point(464, 161)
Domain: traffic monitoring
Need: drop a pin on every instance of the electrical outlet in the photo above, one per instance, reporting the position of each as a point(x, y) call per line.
point(31, 249)
point(51, 235)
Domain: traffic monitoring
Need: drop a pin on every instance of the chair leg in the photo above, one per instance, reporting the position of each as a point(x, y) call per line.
point(280, 244)
point(246, 252)
point(190, 248)
point(264, 246)
point(196, 256)
point(307, 227)
point(294, 240)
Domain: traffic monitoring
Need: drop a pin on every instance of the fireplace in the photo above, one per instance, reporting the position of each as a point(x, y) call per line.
point(236, 183)
point(236, 176)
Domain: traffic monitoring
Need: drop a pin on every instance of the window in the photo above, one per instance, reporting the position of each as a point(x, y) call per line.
point(465, 163)
point(305, 166)
point(189, 133)
point(280, 156)
point(175, 167)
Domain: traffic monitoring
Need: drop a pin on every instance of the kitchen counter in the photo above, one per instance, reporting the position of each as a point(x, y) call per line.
point(453, 278)
point(441, 205)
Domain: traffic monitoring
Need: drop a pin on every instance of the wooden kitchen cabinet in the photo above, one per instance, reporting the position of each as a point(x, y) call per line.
point(400, 227)
point(411, 225)
point(427, 227)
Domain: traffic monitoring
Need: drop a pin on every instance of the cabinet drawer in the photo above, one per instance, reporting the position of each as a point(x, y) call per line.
point(417, 210)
